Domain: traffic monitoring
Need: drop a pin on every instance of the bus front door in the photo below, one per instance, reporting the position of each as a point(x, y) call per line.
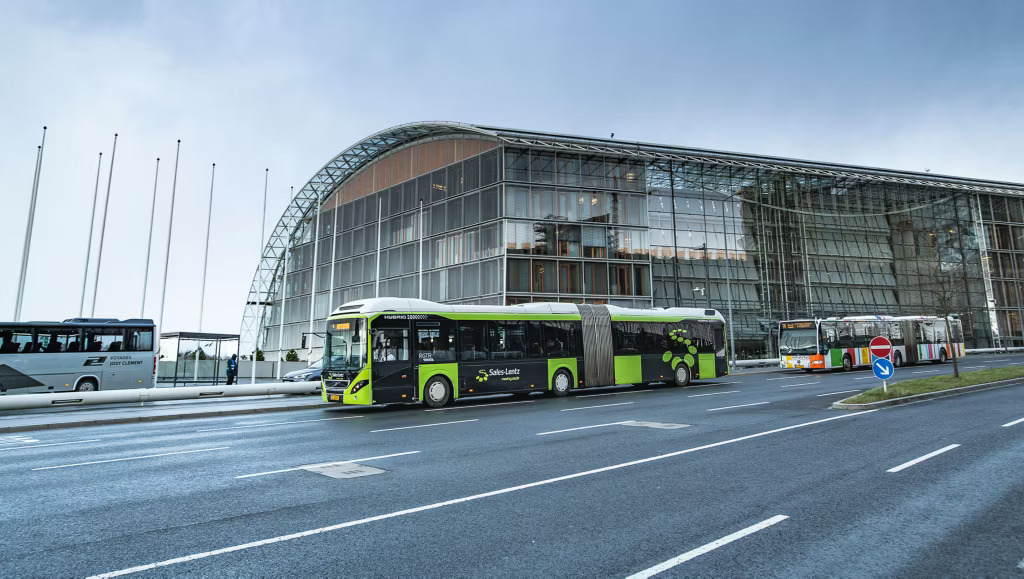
point(393, 376)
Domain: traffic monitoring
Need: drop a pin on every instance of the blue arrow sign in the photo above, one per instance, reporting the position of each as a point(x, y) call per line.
point(883, 368)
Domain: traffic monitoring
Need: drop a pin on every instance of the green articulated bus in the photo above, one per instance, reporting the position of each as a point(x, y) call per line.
point(391, 350)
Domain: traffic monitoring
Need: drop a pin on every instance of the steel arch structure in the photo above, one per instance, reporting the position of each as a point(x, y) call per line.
point(300, 212)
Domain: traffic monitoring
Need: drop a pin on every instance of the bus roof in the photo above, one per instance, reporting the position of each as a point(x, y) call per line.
point(81, 323)
point(380, 305)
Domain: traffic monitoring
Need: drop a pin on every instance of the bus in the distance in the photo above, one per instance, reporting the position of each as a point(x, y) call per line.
point(390, 350)
point(822, 344)
point(82, 354)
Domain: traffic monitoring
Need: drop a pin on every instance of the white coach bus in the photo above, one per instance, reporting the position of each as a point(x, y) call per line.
point(82, 354)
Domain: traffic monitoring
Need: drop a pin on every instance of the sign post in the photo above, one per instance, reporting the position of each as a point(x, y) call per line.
point(880, 348)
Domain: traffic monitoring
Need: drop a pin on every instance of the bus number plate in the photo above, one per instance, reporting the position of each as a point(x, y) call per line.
point(335, 398)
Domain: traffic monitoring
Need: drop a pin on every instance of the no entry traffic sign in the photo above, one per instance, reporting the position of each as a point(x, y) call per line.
point(880, 347)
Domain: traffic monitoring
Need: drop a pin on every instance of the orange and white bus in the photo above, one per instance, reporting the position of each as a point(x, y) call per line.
point(822, 344)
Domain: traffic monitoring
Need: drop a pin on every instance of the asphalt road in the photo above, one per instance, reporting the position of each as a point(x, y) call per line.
point(763, 480)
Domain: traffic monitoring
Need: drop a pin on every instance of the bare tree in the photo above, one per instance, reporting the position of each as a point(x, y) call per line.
point(943, 284)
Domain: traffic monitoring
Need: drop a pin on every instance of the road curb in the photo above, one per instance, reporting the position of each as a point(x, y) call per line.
point(160, 417)
point(925, 396)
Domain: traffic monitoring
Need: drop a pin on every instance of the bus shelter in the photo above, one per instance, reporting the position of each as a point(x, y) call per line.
point(187, 358)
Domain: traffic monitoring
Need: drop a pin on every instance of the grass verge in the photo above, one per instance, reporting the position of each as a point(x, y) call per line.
point(937, 383)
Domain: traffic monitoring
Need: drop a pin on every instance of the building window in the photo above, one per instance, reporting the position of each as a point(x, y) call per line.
point(545, 278)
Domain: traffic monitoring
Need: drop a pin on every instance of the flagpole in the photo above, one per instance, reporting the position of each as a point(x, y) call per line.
point(284, 291)
point(167, 255)
point(259, 265)
point(376, 285)
point(312, 294)
point(28, 229)
point(103, 230)
point(206, 260)
point(149, 241)
point(88, 247)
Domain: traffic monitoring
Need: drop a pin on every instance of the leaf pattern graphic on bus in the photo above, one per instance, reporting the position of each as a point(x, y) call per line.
point(677, 337)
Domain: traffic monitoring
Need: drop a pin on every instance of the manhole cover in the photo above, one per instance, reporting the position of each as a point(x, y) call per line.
point(343, 470)
point(661, 425)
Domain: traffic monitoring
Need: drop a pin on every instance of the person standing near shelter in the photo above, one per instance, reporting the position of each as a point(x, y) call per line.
point(232, 369)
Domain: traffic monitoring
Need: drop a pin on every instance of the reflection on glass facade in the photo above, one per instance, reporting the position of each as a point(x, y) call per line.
point(512, 217)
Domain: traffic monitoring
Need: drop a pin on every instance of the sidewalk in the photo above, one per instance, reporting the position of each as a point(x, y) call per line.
point(74, 416)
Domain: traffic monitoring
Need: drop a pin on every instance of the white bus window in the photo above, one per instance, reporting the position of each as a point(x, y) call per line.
point(103, 339)
point(138, 340)
point(15, 340)
point(53, 340)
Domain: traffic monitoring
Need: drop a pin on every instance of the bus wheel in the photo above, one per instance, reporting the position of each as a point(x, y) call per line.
point(942, 356)
point(561, 383)
point(437, 392)
point(682, 375)
point(87, 385)
point(847, 363)
point(897, 360)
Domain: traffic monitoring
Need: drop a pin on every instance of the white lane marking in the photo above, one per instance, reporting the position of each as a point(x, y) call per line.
point(585, 427)
point(1015, 363)
point(864, 378)
point(598, 406)
point(50, 444)
point(1021, 564)
point(425, 425)
point(274, 424)
point(712, 393)
point(911, 463)
point(322, 464)
point(834, 393)
point(738, 406)
point(800, 384)
point(969, 367)
point(925, 372)
point(785, 378)
point(652, 571)
point(132, 458)
point(478, 405)
point(460, 500)
point(1001, 360)
point(1018, 421)
point(612, 393)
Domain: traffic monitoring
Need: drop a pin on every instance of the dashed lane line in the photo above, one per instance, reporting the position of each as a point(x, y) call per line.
point(322, 464)
point(584, 427)
point(132, 458)
point(911, 463)
point(598, 406)
point(738, 406)
point(50, 444)
point(801, 384)
point(1018, 421)
point(834, 393)
point(478, 405)
point(665, 566)
point(262, 424)
point(712, 394)
point(424, 425)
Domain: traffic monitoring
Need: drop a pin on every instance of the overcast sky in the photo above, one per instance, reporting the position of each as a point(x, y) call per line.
point(288, 85)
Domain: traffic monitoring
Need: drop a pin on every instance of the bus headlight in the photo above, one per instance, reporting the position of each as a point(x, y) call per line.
point(358, 386)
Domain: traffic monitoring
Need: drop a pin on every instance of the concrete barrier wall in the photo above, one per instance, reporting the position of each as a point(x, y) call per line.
point(25, 401)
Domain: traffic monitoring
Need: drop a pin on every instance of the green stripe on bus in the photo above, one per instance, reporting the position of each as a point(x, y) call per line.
point(706, 366)
point(569, 364)
point(836, 358)
point(627, 370)
point(449, 371)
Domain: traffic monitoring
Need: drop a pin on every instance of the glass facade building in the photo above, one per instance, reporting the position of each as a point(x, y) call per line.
point(468, 214)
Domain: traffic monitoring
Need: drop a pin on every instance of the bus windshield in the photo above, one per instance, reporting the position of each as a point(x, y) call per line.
point(804, 341)
point(346, 344)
